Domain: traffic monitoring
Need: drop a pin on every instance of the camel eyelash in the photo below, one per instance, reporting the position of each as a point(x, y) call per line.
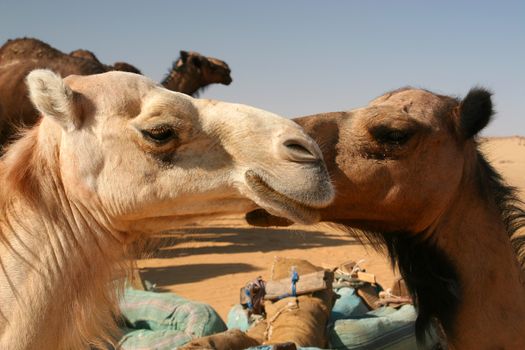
point(392, 136)
point(160, 134)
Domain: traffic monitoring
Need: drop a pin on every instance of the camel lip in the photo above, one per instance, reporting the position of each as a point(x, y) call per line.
point(261, 218)
point(278, 204)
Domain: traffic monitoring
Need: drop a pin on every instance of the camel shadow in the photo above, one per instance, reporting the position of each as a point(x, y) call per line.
point(231, 240)
point(165, 276)
point(226, 240)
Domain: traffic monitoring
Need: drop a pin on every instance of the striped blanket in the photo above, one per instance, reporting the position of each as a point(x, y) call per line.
point(164, 321)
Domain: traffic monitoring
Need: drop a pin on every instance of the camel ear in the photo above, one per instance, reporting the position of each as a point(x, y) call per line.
point(475, 111)
point(196, 61)
point(184, 56)
point(53, 98)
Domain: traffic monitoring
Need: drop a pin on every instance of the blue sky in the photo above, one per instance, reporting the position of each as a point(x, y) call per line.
point(303, 57)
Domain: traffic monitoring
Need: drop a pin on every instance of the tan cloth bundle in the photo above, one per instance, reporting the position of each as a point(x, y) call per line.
point(233, 339)
point(301, 319)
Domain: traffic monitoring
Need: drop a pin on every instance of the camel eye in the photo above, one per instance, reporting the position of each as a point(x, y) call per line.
point(391, 136)
point(160, 134)
point(396, 136)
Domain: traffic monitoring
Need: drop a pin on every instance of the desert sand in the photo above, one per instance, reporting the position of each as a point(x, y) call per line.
point(211, 261)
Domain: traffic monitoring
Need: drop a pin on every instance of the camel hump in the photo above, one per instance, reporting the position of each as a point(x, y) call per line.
point(53, 98)
point(476, 111)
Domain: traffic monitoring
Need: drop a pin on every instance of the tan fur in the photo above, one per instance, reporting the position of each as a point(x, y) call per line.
point(53, 98)
point(73, 199)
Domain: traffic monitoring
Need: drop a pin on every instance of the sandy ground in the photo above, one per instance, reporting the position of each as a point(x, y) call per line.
point(212, 261)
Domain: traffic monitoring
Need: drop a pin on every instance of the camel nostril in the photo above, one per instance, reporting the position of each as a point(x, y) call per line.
point(300, 151)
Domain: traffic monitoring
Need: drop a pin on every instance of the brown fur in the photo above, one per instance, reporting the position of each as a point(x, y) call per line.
point(27, 48)
point(407, 170)
point(193, 72)
point(85, 54)
point(120, 66)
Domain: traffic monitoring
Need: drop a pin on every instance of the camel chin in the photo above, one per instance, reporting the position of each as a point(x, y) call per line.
point(281, 209)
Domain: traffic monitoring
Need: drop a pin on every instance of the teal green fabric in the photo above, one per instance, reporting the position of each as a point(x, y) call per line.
point(269, 347)
point(381, 329)
point(238, 318)
point(163, 321)
point(347, 305)
point(144, 339)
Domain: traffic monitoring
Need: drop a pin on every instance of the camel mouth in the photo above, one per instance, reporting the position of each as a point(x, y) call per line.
point(261, 218)
point(278, 204)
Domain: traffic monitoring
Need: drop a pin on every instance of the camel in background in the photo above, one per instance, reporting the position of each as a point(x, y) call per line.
point(408, 171)
point(190, 73)
point(121, 66)
point(34, 49)
point(115, 158)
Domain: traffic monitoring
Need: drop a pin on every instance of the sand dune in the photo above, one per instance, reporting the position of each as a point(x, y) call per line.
point(211, 262)
point(507, 155)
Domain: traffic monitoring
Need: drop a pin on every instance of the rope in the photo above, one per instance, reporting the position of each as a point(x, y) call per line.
point(387, 297)
point(255, 292)
point(248, 294)
point(357, 268)
point(345, 278)
point(291, 305)
point(294, 280)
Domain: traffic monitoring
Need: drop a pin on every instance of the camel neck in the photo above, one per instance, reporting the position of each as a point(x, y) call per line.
point(182, 80)
point(491, 299)
point(57, 259)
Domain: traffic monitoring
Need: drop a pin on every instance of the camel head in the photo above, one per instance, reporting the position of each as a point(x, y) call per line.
point(210, 70)
point(142, 158)
point(397, 163)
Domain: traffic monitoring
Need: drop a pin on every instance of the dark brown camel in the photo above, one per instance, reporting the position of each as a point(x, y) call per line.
point(408, 171)
point(120, 66)
point(85, 54)
point(27, 48)
point(18, 57)
point(193, 72)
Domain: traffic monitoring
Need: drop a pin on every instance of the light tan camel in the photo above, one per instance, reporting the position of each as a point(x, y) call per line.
point(190, 73)
point(407, 167)
point(117, 157)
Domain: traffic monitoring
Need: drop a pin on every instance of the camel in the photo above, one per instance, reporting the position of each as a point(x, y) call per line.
point(30, 48)
point(121, 66)
point(27, 48)
point(85, 54)
point(190, 73)
point(116, 158)
point(408, 171)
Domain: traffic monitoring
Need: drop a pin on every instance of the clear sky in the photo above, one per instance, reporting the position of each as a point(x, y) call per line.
point(303, 57)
